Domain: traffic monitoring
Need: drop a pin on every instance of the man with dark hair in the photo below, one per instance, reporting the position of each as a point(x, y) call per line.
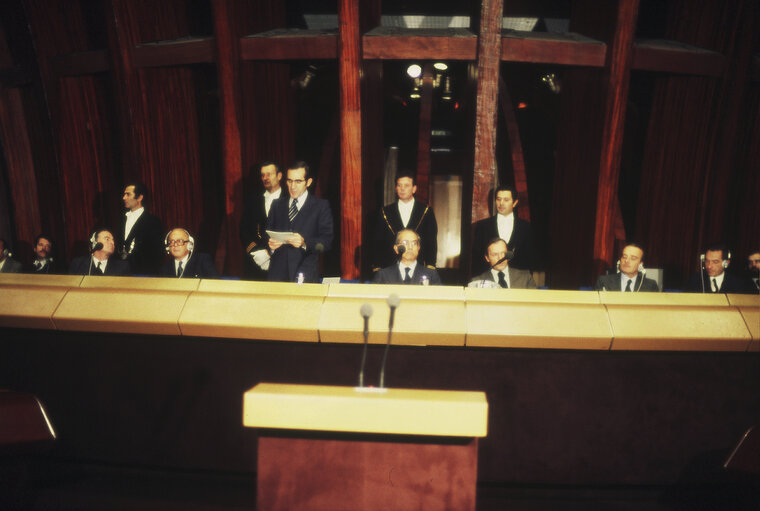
point(185, 262)
point(505, 225)
point(140, 232)
point(307, 222)
point(43, 263)
point(405, 213)
point(7, 263)
point(753, 268)
point(100, 262)
point(630, 276)
point(253, 223)
point(499, 272)
point(407, 270)
point(713, 277)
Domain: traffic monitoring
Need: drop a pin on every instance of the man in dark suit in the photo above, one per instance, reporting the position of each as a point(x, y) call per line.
point(713, 277)
point(185, 262)
point(141, 233)
point(505, 225)
point(253, 223)
point(500, 273)
point(7, 263)
point(308, 219)
point(100, 262)
point(631, 277)
point(408, 270)
point(44, 263)
point(405, 213)
point(753, 268)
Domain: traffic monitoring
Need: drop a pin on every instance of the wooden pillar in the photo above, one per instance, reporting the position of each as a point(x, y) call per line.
point(423, 136)
point(349, 65)
point(228, 72)
point(617, 77)
point(489, 59)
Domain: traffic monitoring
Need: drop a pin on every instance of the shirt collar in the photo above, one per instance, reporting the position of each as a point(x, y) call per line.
point(136, 213)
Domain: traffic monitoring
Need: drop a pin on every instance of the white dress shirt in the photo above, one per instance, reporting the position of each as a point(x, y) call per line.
point(718, 281)
point(132, 217)
point(405, 211)
point(402, 269)
point(495, 274)
point(184, 264)
point(269, 198)
point(505, 224)
point(103, 264)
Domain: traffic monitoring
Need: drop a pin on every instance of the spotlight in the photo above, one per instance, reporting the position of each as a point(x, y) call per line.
point(551, 81)
point(414, 71)
point(440, 66)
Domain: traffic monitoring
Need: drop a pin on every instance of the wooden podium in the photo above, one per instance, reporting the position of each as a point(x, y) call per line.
point(345, 448)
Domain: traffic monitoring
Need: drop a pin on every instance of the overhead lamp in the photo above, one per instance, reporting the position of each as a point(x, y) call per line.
point(440, 66)
point(414, 71)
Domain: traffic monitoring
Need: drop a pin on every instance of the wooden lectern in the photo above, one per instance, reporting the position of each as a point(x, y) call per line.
point(346, 448)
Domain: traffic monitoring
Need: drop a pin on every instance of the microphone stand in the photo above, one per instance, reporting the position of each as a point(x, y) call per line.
point(393, 302)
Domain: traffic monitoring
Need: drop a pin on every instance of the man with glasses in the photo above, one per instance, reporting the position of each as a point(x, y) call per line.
point(407, 270)
point(100, 262)
point(305, 227)
point(185, 262)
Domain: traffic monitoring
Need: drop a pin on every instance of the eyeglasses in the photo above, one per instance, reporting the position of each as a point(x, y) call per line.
point(178, 243)
point(409, 243)
point(295, 181)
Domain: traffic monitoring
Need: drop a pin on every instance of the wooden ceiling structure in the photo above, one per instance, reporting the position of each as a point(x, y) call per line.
point(76, 115)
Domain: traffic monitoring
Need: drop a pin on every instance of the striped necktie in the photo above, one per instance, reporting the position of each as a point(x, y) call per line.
point(293, 210)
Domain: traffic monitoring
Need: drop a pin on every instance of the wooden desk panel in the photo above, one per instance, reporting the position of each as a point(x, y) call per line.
point(29, 306)
point(431, 315)
point(25, 279)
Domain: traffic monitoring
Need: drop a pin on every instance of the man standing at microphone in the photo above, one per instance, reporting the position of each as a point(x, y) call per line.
point(500, 274)
point(407, 270)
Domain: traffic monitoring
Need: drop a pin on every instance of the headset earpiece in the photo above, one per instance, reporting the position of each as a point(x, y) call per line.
point(93, 240)
point(190, 244)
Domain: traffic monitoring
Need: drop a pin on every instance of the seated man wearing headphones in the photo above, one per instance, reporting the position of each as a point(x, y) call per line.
point(100, 262)
point(499, 274)
point(185, 263)
point(713, 277)
point(630, 276)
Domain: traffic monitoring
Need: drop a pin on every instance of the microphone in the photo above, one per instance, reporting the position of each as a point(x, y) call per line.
point(509, 255)
point(401, 249)
point(366, 312)
point(98, 246)
point(702, 270)
point(393, 303)
point(319, 247)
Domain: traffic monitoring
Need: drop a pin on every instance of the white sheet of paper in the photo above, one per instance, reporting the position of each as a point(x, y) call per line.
point(280, 236)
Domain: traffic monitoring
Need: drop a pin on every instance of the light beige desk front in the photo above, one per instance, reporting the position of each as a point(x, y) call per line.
point(281, 311)
point(675, 322)
point(749, 307)
point(536, 318)
point(23, 279)
point(348, 409)
point(427, 315)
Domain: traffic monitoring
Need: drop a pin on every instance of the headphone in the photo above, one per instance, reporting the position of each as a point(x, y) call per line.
point(640, 269)
point(725, 263)
point(190, 244)
point(94, 239)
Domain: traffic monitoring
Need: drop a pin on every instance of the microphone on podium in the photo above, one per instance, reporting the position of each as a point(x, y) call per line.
point(366, 312)
point(393, 303)
point(96, 247)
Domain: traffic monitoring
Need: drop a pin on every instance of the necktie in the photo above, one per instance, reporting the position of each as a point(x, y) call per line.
point(100, 269)
point(715, 286)
point(179, 269)
point(293, 210)
point(408, 278)
point(628, 286)
point(502, 282)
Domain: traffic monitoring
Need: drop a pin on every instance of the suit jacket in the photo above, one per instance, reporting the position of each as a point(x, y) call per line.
point(51, 268)
point(731, 284)
point(391, 275)
point(314, 222)
point(612, 282)
point(11, 266)
point(252, 228)
point(518, 279)
point(521, 243)
point(388, 224)
point(144, 247)
point(115, 267)
point(199, 266)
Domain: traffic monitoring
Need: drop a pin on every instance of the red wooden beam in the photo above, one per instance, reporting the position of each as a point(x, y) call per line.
point(290, 44)
point(423, 137)
point(674, 57)
point(431, 44)
point(489, 60)
point(617, 77)
point(551, 48)
point(176, 53)
point(228, 72)
point(349, 66)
